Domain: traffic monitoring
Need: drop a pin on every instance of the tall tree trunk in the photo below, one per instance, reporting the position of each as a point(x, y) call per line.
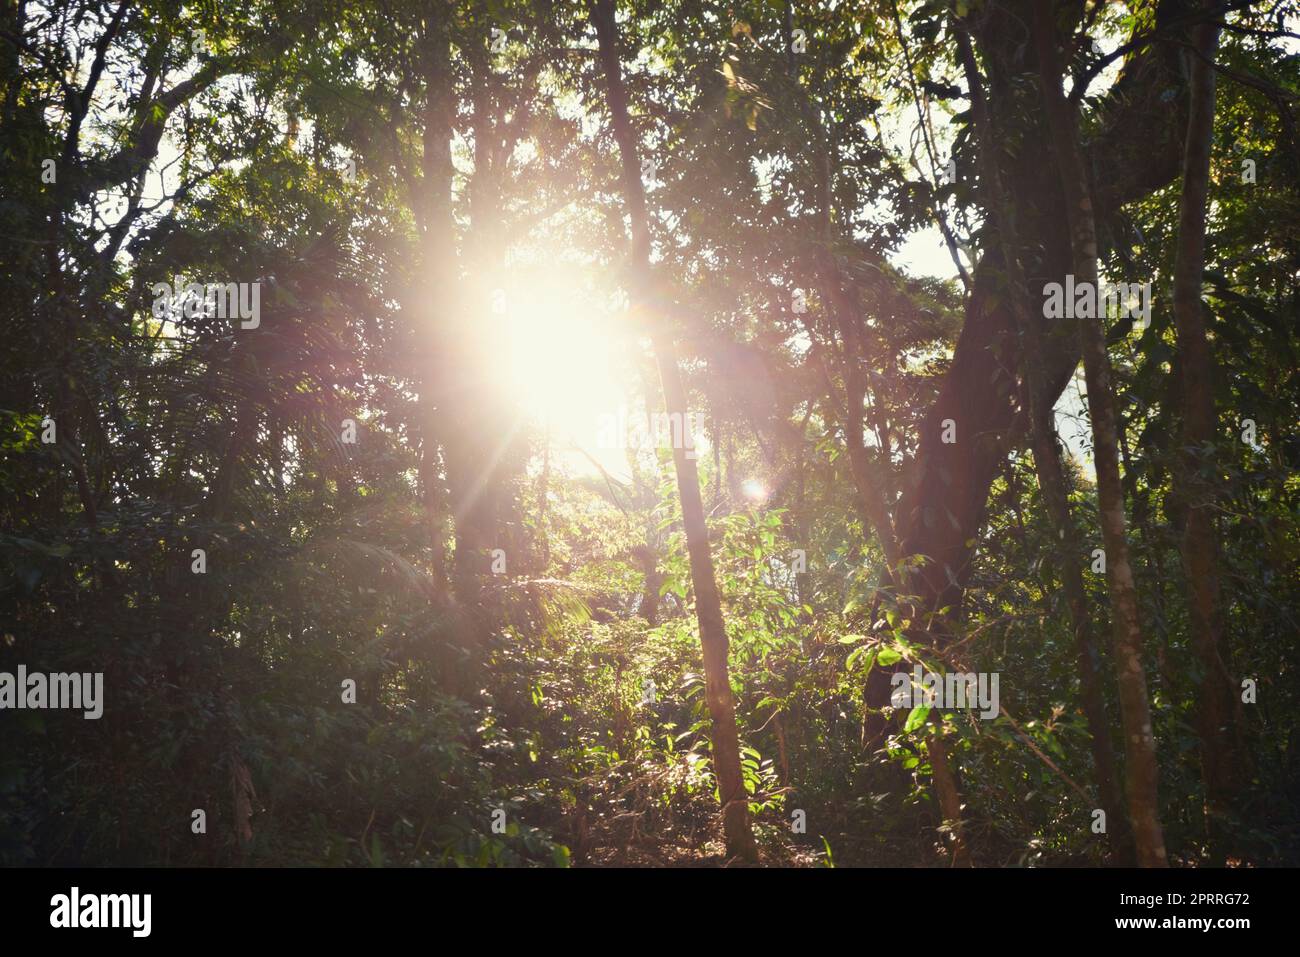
point(1139, 740)
point(432, 209)
point(1067, 543)
point(463, 428)
point(708, 605)
point(1199, 544)
point(946, 491)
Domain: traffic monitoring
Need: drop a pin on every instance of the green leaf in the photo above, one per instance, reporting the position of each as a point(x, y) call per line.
point(915, 719)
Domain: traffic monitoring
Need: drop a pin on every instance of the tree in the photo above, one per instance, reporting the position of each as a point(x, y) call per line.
point(1069, 546)
point(1200, 543)
point(708, 606)
point(1135, 706)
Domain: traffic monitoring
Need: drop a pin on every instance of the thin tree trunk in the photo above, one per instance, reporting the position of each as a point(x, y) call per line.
point(1069, 549)
point(544, 503)
point(865, 480)
point(708, 605)
point(1199, 542)
point(432, 209)
point(648, 558)
point(945, 787)
point(1139, 739)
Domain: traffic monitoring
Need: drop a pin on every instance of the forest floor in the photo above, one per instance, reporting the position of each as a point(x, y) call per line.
point(654, 854)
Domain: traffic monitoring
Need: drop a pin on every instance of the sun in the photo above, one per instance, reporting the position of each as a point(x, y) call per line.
point(564, 358)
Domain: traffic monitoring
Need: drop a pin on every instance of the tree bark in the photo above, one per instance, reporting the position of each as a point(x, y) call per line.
point(946, 491)
point(1199, 542)
point(947, 790)
point(1067, 543)
point(1139, 740)
point(868, 483)
point(431, 206)
point(462, 427)
point(708, 605)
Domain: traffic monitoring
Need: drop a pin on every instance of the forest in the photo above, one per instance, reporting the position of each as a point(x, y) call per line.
point(649, 433)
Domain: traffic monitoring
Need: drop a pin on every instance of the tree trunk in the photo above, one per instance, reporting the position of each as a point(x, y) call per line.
point(463, 429)
point(708, 605)
point(946, 789)
point(1199, 543)
point(1067, 544)
point(1069, 551)
point(871, 497)
point(1139, 740)
point(432, 211)
point(946, 491)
